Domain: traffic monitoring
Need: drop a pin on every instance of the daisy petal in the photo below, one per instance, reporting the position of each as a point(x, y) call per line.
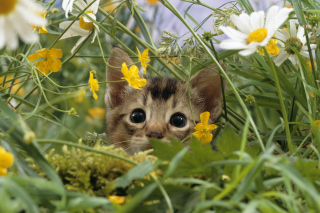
point(293, 29)
point(78, 43)
point(247, 52)
point(233, 34)
point(282, 35)
point(255, 20)
point(282, 56)
point(300, 33)
point(305, 53)
point(230, 44)
point(270, 17)
point(243, 26)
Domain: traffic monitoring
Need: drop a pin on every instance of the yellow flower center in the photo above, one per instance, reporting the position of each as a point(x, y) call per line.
point(86, 25)
point(6, 6)
point(257, 35)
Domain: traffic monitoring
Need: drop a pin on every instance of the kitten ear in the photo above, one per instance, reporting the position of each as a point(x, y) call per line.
point(114, 91)
point(207, 83)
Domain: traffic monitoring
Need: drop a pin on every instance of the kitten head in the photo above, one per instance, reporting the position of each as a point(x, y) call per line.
point(161, 109)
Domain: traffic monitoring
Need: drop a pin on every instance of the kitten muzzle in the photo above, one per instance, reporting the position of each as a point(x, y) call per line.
point(155, 134)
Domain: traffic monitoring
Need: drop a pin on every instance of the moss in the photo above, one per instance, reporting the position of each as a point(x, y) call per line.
point(90, 172)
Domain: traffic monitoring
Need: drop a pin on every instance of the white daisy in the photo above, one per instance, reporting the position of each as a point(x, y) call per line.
point(84, 27)
point(67, 5)
point(16, 18)
point(296, 40)
point(255, 30)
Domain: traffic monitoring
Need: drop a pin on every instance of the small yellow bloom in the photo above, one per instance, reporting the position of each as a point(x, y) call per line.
point(317, 122)
point(152, 2)
point(132, 76)
point(271, 47)
point(312, 95)
point(137, 30)
point(97, 112)
point(43, 28)
point(3, 171)
point(225, 178)
point(203, 130)
point(93, 85)
point(117, 199)
point(144, 59)
point(6, 160)
point(309, 64)
point(49, 62)
point(73, 111)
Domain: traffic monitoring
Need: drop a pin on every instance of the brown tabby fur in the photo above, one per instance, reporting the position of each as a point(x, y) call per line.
point(159, 99)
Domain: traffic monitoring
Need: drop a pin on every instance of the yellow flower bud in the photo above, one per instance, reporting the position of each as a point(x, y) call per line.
point(29, 137)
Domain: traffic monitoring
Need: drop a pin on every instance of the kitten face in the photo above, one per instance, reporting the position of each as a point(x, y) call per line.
point(160, 110)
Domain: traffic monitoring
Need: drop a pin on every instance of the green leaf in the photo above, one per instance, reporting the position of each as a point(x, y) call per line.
point(229, 141)
point(139, 21)
point(136, 172)
point(186, 163)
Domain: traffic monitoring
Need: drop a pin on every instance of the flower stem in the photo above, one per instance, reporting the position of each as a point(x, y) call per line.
point(174, 10)
point(283, 107)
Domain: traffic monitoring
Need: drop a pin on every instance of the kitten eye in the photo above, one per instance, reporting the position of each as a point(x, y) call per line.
point(138, 116)
point(178, 120)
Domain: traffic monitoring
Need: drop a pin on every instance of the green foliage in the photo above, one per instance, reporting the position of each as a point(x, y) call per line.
point(267, 146)
point(93, 173)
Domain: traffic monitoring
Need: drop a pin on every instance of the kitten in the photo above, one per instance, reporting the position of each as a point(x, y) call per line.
point(161, 109)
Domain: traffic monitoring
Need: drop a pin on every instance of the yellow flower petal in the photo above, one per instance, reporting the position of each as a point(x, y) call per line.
point(117, 199)
point(43, 67)
point(3, 171)
point(6, 160)
point(43, 30)
point(203, 130)
point(204, 117)
point(34, 57)
point(55, 53)
point(94, 86)
point(144, 59)
point(54, 64)
point(133, 77)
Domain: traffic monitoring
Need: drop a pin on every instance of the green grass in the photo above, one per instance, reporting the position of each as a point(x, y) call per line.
point(267, 156)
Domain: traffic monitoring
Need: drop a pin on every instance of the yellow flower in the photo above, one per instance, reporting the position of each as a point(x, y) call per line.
point(97, 112)
point(132, 76)
point(49, 60)
point(43, 28)
point(152, 2)
point(93, 85)
point(6, 161)
point(271, 47)
point(117, 199)
point(144, 59)
point(73, 111)
point(3, 171)
point(309, 64)
point(203, 130)
point(317, 122)
point(312, 95)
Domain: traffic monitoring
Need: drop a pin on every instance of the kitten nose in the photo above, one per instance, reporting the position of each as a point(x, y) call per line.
point(155, 134)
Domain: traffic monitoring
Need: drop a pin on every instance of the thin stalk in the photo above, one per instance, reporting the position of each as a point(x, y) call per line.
point(172, 9)
point(242, 146)
point(283, 107)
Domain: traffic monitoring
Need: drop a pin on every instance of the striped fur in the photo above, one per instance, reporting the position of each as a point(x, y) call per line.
point(159, 99)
